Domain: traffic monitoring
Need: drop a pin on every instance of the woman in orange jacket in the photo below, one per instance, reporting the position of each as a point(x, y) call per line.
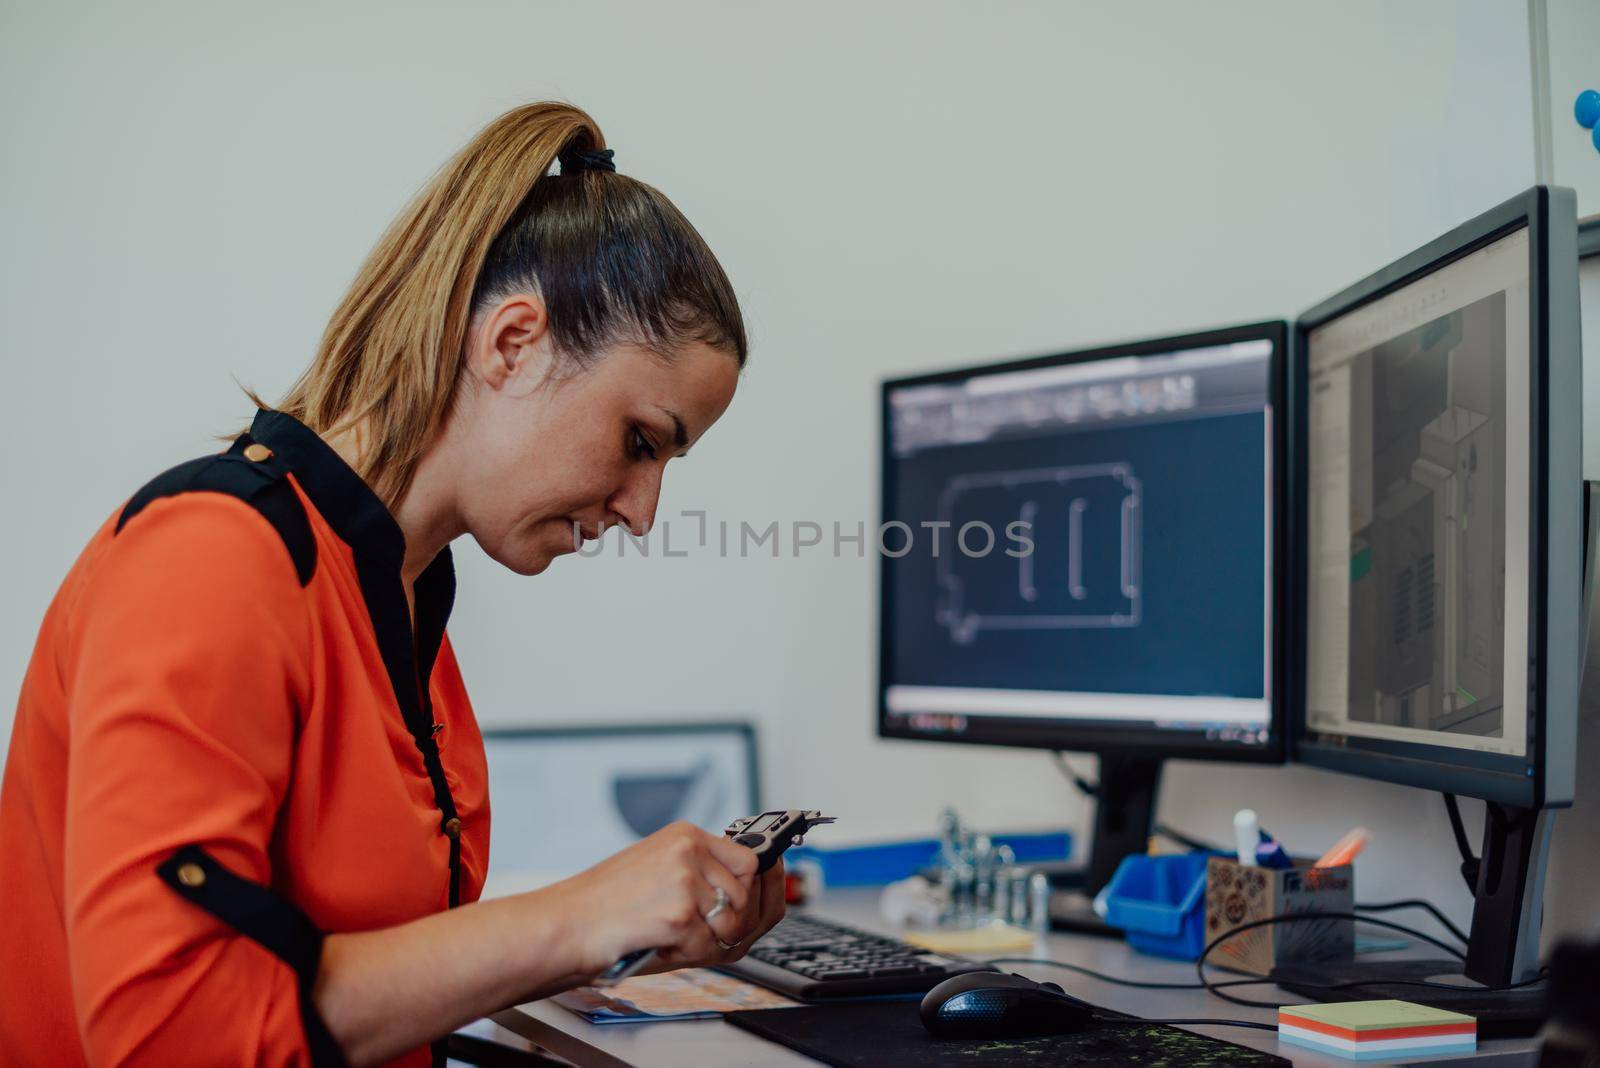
point(243, 819)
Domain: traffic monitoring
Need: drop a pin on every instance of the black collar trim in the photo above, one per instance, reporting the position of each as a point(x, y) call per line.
point(360, 518)
point(342, 496)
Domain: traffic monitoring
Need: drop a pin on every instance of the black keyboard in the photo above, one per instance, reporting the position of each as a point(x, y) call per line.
point(818, 960)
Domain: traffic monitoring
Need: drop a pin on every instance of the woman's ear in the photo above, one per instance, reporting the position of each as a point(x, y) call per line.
point(511, 342)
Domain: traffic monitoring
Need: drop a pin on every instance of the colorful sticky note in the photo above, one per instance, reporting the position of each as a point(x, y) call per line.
point(1374, 1030)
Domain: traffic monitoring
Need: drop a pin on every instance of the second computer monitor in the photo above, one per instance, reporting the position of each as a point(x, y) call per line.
point(1082, 551)
point(1441, 514)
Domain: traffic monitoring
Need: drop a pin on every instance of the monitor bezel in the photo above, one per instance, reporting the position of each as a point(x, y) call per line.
point(623, 729)
point(1018, 732)
point(1544, 776)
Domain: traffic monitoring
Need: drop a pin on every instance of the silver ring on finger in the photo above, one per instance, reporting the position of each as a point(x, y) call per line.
point(726, 948)
point(718, 907)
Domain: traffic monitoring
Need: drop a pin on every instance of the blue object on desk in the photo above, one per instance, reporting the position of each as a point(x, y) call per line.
point(1270, 854)
point(1586, 109)
point(1160, 903)
point(880, 863)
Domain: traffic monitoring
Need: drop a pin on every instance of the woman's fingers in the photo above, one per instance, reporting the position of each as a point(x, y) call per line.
point(733, 867)
point(717, 902)
point(765, 909)
point(772, 894)
point(774, 884)
point(713, 897)
point(729, 924)
point(738, 859)
point(692, 934)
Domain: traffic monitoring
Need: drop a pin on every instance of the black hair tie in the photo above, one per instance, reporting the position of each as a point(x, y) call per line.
point(587, 160)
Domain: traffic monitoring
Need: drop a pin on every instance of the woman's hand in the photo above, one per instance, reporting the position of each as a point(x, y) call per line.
point(386, 991)
point(656, 894)
point(763, 911)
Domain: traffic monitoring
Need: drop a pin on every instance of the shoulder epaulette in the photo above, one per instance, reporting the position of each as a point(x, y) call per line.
point(251, 473)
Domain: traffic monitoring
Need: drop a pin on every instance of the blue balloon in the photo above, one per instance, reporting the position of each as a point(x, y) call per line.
point(1587, 109)
point(1595, 137)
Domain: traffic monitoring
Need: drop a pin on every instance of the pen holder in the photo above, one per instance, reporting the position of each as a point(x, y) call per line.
point(1237, 895)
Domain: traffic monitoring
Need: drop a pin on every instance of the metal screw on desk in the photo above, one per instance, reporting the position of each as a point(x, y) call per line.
point(1003, 880)
point(949, 836)
point(1039, 901)
point(1019, 899)
point(1005, 859)
point(983, 878)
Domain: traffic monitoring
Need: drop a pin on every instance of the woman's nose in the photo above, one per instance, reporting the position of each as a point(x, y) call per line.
point(635, 504)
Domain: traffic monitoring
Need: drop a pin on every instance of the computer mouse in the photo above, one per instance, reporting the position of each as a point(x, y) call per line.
point(991, 1005)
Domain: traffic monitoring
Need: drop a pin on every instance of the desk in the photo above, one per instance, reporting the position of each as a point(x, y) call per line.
point(697, 1043)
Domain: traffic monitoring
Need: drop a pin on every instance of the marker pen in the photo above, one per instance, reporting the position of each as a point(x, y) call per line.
point(1246, 835)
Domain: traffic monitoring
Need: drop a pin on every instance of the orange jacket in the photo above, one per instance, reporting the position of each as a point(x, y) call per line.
point(221, 752)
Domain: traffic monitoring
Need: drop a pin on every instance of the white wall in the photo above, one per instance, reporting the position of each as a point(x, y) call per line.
point(892, 187)
point(1569, 65)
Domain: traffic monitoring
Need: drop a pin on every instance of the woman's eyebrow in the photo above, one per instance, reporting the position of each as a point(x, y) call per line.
point(680, 436)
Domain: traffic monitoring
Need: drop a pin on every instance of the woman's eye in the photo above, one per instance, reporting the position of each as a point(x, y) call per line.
point(641, 445)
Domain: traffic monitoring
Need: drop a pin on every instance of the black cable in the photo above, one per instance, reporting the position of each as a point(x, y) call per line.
point(1089, 789)
point(1469, 863)
point(1195, 1023)
point(1416, 903)
point(1149, 986)
point(1263, 981)
point(1085, 787)
point(1200, 964)
point(1104, 978)
point(1431, 985)
point(1453, 807)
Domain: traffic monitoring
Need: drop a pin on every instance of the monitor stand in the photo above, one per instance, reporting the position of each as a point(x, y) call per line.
point(1124, 813)
point(1504, 947)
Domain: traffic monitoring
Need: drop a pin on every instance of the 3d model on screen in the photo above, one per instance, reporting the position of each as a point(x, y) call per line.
point(1427, 489)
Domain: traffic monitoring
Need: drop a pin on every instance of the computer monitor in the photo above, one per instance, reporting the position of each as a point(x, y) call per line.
point(1082, 552)
point(611, 784)
point(1438, 501)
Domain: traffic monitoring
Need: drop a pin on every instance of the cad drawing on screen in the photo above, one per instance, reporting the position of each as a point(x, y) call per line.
point(1083, 568)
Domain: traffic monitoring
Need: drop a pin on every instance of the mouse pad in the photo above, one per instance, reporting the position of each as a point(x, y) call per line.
point(889, 1034)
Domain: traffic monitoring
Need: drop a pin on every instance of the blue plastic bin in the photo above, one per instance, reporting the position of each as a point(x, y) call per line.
point(1160, 903)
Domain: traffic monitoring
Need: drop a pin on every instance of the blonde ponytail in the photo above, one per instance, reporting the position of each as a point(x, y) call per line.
point(390, 358)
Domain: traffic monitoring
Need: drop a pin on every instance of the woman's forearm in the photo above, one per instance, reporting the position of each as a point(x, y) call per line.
point(384, 992)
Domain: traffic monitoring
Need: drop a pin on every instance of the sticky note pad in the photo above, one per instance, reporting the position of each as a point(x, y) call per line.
point(1377, 1030)
point(986, 938)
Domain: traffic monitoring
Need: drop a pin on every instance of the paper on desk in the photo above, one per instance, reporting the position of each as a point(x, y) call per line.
point(1378, 943)
point(689, 994)
point(994, 937)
